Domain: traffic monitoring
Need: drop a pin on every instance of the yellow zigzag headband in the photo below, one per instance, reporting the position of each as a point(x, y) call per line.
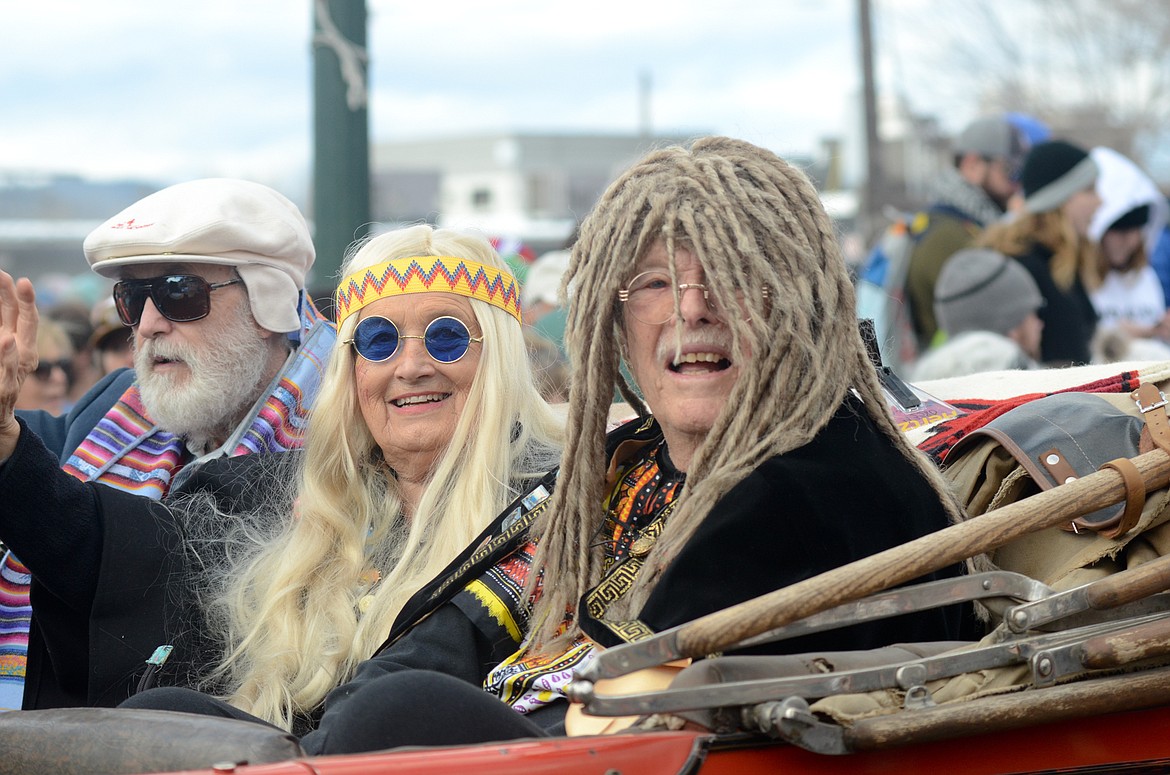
point(427, 274)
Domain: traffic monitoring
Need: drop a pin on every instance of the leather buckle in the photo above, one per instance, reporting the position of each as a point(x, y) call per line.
point(1162, 401)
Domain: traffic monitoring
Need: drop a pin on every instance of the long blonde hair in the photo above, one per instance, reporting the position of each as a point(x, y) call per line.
point(1072, 255)
point(290, 606)
point(752, 221)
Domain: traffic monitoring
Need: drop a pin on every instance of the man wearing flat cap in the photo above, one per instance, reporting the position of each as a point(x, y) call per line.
point(227, 356)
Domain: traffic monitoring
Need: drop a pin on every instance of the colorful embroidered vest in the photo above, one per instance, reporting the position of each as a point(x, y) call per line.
point(636, 512)
point(127, 450)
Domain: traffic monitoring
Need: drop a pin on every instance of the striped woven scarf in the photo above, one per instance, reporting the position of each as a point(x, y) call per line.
point(15, 614)
point(128, 451)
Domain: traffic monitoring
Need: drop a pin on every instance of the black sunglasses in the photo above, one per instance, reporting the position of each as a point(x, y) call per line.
point(377, 339)
point(180, 298)
point(44, 369)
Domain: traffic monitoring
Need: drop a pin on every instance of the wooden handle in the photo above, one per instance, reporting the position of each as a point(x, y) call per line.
point(1118, 649)
point(1129, 585)
point(1083, 700)
point(908, 561)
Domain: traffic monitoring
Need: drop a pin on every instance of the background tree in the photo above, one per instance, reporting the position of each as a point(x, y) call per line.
point(1097, 71)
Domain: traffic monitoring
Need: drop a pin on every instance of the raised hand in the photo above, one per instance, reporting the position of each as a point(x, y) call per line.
point(18, 352)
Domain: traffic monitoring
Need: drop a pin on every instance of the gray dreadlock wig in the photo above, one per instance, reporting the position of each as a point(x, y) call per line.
point(752, 221)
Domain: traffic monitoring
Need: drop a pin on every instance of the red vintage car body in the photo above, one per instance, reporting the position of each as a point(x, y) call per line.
point(1133, 742)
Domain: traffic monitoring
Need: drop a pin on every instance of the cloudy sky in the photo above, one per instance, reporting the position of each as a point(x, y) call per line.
point(185, 88)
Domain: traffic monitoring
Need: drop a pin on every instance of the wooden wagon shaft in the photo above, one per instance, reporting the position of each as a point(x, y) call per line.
point(1132, 584)
point(1143, 641)
point(1010, 711)
point(908, 561)
point(1133, 590)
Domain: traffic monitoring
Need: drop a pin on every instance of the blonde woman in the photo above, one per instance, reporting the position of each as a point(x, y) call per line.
point(48, 390)
point(1050, 239)
point(428, 423)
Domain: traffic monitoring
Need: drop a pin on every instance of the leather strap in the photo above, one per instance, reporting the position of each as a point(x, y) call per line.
point(1135, 496)
point(1145, 441)
point(1057, 465)
point(1152, 403)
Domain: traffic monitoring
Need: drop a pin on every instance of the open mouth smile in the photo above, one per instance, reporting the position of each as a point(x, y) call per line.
point(699, 363)
point(425, 398)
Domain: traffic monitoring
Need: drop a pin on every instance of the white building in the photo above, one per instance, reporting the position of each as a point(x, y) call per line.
point(530, 187)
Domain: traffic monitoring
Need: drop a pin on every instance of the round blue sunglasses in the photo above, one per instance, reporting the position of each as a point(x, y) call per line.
point(377, 339)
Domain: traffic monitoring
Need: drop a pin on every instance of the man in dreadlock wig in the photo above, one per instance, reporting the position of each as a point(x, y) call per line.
point(752, 359)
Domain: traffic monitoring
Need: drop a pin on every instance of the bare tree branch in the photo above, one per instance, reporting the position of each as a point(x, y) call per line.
point(1096, 70)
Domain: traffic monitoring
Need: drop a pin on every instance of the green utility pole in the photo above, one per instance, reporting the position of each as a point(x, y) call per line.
point(875, 181)
point(341, 136)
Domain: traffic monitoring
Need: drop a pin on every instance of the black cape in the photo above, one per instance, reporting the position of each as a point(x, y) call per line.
point(109, 573)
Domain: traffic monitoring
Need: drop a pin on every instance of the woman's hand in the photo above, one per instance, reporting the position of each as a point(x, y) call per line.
point(18, 352)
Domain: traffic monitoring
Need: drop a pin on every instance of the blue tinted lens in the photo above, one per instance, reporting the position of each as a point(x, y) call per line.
point(447, 339)
point(375, 338)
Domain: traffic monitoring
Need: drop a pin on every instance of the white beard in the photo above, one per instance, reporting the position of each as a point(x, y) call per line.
point(224, 379)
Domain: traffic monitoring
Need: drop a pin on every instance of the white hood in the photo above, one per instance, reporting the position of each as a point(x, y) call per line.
point(1122, 186)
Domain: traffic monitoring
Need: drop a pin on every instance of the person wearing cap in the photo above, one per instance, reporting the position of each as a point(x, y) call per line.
point(228, 352)
point(112, 341)
point(543, 284)
point(1050, 238)
point(73, 315)
point(986, 303)
point(987, 157)
point(210, 276)
point(544, 322)
point(274, 576)
point(1125, 290)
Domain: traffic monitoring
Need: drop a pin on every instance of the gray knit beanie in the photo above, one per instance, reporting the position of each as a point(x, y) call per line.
point(994, 137)
point(982, 290)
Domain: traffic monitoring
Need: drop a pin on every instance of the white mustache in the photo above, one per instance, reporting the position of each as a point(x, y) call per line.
point(171, 351)
point(670, 348)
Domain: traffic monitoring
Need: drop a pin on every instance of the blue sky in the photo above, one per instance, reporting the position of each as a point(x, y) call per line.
point(185, 88)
